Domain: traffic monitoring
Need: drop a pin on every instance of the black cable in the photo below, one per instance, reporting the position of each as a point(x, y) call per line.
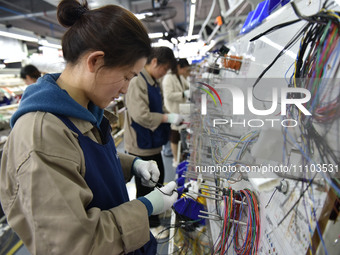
point(158, 185)
point(320, 19)
point(312, 19)
point(297, 201)
point(274, 28)
point(288, 46)
point(271, 197)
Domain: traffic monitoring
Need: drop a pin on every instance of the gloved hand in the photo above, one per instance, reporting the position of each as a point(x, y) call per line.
point(175, 118)
point(163, 198)
point(187, 93)
point(147, 171)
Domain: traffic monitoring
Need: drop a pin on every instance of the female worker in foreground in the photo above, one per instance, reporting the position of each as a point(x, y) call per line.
point(62, 183)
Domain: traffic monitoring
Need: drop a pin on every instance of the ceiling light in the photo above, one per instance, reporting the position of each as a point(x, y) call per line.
point(12, 60)
point(45, 43)
point(143, 15)
point(174, 40)
point(19, 37)
point(162, 42)
point(184, 39)
point(155, 35)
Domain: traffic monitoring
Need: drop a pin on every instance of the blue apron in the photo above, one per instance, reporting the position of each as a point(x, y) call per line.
point(104, 174)
point(147, 139)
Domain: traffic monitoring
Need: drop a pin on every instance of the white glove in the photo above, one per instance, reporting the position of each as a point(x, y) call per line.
point(147, 171)
point(163, 198)
point(187, 93)
point(175, 118)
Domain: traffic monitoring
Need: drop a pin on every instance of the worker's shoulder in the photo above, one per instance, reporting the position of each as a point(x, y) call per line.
point(36, 121)
point(43, 132)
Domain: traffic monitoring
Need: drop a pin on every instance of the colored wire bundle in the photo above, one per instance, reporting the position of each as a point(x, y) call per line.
point(238, 206)
point(227, 224)
point(245, 140)
point(252, 238)
point(316, 59)
point(315, 69)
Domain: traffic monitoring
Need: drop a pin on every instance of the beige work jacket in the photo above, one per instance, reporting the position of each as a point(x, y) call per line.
point(44, 194)
point(137, 104)
point(173, 93)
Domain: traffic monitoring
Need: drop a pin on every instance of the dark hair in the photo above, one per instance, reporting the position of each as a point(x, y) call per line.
point(181, 62)
point(111, 29)
point(31, 71)
point(164, 55)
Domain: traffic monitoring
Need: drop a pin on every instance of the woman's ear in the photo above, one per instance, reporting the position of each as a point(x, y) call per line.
point(154, 62)
point(95, 60)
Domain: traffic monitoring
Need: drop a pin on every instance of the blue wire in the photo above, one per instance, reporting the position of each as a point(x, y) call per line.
point(284, 146)
point(317, 225)
point(235, 229)
point(330, 182)
point(288, 71)
point(249, 214)
point(309, 225)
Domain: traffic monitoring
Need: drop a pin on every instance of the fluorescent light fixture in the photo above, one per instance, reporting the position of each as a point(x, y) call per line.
point(19, 37)
point(28, 36)
point(94, 4)
point(44, 42)
point(143, 15)
point(162, 42)
point(174, 40)
point(192, 18)
point(182, 39)
point(12, 60)
point(155, 35)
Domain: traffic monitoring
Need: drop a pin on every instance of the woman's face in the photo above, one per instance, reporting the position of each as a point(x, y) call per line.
point(161, 70)
point(109, 83)
point(29, 80)
point(185, 71)
point(156, 70)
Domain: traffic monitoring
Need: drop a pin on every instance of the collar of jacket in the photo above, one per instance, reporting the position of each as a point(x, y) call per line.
point(148, 77)
point(85, 126)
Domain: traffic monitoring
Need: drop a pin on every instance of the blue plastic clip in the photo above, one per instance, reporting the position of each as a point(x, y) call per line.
point(189, 208)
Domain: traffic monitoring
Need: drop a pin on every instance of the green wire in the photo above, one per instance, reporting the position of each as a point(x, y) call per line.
point(208, 92)
point(318, 66)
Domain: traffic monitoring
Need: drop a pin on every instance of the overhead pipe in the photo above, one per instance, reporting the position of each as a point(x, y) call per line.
point(207, 19)
point(51, 25)
point(31, 15)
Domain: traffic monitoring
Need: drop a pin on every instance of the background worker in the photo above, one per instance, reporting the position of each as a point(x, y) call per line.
point(176, 91)
point(146, 126)
point(30, 74)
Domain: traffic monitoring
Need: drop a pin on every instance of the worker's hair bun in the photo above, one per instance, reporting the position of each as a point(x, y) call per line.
point(69, 11)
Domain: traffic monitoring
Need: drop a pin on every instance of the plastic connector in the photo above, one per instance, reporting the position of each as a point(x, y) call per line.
point(223, 50)
point(265, 184)
point(181, 168)
point(189, 208)
point(180, 181)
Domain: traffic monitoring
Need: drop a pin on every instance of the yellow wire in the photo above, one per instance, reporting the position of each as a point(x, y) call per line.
point(310, 223)
point(333, 13)
point(232, 150)
point(15, 248)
